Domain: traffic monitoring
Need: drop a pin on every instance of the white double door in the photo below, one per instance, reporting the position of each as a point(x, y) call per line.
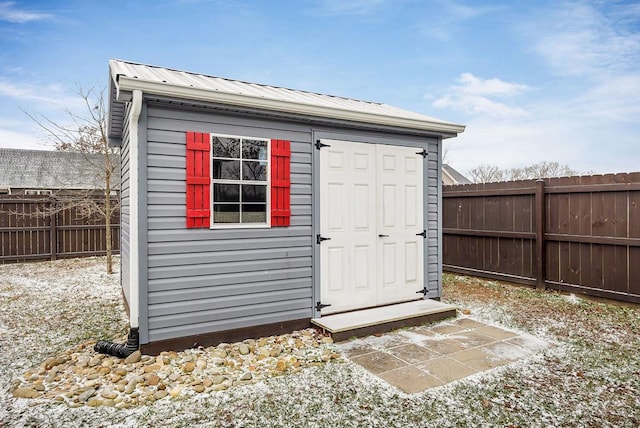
point(371, 209)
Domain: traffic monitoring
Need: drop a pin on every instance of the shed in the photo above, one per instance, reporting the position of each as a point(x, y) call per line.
point(250, 209)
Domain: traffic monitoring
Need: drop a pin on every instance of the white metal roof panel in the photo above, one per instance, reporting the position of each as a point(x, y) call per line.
point(128, 76)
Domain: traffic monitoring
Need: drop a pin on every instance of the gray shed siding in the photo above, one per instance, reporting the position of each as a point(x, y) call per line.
point(201, 280)
point(434, 225)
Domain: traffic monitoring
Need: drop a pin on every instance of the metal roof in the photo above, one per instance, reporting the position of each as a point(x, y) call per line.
point(128, 76)
point(45, 169)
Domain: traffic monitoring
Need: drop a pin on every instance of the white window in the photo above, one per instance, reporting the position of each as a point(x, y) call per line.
point(37, 192)
point(239, 181)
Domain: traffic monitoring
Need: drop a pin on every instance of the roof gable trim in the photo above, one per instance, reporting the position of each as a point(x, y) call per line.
point(126, 84)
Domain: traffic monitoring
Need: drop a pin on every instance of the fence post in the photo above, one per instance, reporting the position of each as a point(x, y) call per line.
point(53, 232)
point(541, 265)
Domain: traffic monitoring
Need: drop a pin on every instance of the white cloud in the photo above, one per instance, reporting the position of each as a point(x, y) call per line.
point(474, 95)
point(588, 115)
point(616, 99)
point(551, 132)
point(22, 139)
point(579, 39)
point(45, 101)
point(350, 7)
point(44, 96)
point(451, 15)
point(9, 13)
point(473, 85)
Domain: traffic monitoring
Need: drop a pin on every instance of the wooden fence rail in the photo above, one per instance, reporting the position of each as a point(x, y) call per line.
point(579, 234)
point(32, 229)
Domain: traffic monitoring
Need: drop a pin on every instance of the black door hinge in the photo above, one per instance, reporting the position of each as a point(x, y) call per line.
point(319, 239)
point(423, 234)
point(320, 145)
point(423, 153)
point(319, 306)
point(423, 291)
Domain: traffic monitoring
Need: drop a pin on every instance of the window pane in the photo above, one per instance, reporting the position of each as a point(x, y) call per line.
point(254, 213)
point(226, 147)
point(254, 171)
point(226, 213)
point(253, 193)
point(226, 192)
point(226, 169)
point(254, 149)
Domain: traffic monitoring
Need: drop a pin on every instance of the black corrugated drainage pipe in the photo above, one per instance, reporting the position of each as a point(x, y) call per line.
point(118, 349)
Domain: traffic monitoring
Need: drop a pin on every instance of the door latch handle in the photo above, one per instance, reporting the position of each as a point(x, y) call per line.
point(383, 236)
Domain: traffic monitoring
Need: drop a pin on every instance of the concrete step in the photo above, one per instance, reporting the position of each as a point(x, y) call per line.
point(384, 318)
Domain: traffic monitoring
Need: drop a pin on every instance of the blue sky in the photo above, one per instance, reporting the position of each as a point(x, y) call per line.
point(532, 80)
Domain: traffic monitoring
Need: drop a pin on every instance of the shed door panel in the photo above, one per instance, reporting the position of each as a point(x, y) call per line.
point(371, 209)
point(347, 201)
point(400, 250)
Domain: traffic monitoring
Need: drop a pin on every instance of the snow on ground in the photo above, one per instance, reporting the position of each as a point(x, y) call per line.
point(592, 378)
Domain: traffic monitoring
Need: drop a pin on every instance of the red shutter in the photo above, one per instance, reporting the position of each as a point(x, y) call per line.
point(198, 180)
point(280, 183)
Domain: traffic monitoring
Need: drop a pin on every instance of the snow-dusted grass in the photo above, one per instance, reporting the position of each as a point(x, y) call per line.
point(591, 378)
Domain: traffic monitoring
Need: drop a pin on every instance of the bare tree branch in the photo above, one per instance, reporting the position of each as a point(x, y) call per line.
point(491, 173)
point(86, 134)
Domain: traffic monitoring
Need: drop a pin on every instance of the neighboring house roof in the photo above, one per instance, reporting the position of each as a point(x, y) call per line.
point(152, 80)
point(451, 176)
point(45, 169)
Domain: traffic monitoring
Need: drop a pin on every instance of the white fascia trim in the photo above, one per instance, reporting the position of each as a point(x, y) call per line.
point(129, 84)
point(444, 171)
point(134, 211)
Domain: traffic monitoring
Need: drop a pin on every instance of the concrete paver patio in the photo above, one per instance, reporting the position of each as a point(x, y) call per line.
point(423, 357)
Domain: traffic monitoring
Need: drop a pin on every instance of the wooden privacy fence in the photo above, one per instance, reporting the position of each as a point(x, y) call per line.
point(31, 228)
point(579, 234)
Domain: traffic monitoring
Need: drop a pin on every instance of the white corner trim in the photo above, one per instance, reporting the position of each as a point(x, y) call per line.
point(166, 89)
point(134, 200)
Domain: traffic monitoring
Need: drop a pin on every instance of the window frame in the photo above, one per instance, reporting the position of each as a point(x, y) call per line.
point(37, 192)
point(240, 181)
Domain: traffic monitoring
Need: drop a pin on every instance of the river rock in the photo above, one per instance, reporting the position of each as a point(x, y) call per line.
point(26, 392)
point(153, 379)
point(276, 351)
point(216, 380)
point(94, 402)
point(152, 368)
point(86, 395)
point(109, 394)
point(159, 395)
point(130, 386)
point(133, 358)
point(219, 353)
